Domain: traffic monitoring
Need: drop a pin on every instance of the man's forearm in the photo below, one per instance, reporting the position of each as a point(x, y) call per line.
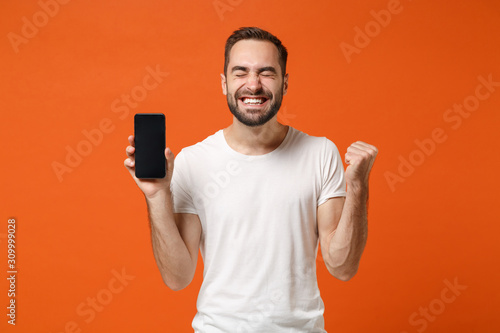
point(170, 251)
point(348, 241)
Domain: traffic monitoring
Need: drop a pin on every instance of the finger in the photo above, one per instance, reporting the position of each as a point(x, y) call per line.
point(363, 151)
point(350, 158)
point(365, 146)
point(130, 150)
point(356, 154)
point(355, 149)
point(347, 159)
point(169, 155)
point(129, 164)
point(360, 145)
point(131, 139)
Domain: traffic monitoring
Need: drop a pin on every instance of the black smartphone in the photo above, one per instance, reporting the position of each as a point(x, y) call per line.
point(149, 132)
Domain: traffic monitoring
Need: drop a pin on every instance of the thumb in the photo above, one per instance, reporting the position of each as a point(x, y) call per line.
point(348, 158)
point(170, 162)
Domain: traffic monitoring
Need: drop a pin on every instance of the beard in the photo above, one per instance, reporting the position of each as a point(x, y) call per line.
point(272, 108)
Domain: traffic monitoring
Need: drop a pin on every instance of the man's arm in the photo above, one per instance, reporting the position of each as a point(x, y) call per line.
point(342, 223)
point(175, 237)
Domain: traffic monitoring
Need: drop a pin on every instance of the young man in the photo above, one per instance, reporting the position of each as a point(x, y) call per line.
point(256, 198)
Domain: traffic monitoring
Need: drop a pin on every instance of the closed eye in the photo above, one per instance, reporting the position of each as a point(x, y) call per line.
point(240, 73)
point(268, 71)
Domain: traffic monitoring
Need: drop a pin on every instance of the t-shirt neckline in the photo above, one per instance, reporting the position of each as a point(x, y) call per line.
point(256, 157)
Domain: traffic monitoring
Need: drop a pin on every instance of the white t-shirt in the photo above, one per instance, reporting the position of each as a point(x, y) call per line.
point(259, 240)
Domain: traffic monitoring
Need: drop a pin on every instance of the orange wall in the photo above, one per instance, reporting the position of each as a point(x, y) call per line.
point(433, 217)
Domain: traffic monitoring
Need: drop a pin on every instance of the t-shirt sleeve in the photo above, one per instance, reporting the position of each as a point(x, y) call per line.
point(333, 183)
point(181, 187)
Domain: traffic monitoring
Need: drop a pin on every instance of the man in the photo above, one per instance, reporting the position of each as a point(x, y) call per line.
point(256, 198)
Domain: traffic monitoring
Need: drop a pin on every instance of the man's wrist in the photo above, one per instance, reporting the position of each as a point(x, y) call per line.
point(358, 188)
point(160, 195)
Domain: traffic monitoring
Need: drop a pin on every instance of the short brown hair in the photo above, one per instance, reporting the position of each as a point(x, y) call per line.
point(257, 34)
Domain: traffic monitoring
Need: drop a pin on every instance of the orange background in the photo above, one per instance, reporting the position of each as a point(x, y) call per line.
point(439, 223)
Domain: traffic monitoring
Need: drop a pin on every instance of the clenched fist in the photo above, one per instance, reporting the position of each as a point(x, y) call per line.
point(359, 158)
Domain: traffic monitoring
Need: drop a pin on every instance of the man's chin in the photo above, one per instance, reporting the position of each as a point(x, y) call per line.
point(256, 119)
point(254, 116)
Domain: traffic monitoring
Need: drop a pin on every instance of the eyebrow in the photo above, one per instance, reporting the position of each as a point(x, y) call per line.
point(260, 70)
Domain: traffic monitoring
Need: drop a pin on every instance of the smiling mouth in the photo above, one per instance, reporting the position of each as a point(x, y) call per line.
point(253, 100)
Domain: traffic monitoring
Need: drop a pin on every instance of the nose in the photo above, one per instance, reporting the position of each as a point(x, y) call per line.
point(253, 82)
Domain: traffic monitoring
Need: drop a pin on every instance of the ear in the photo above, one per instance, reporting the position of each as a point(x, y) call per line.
point(223, 83)
point(285, 84)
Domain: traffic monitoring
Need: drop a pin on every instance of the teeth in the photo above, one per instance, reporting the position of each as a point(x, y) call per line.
point(253, 100)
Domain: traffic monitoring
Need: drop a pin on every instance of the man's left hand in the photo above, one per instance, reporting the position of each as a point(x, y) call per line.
point(359, 158)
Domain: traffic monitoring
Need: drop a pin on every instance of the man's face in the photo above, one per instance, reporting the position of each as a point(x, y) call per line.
point(254, 85)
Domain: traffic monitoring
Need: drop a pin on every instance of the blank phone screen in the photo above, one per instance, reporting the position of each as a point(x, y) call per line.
point(149, 132)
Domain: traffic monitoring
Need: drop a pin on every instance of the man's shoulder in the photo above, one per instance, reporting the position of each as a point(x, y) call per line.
point(308, 141)
point(207, 145)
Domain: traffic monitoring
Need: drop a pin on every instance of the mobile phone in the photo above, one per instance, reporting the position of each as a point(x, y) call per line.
point(149, 132)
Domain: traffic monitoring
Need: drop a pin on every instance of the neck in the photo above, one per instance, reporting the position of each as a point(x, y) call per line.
point(256, 140)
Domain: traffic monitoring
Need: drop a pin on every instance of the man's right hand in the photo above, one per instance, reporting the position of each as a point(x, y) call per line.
point(150, 187)
point(175, 237)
